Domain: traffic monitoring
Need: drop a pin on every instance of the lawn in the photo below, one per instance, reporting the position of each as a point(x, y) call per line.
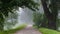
point(48, 31)
point(11, 31)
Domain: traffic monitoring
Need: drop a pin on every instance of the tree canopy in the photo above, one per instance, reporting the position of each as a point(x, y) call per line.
point(7, 6)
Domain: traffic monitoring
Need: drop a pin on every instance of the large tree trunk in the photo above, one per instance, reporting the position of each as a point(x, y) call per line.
point(53, 8)
point(50, 16)
point(52, 23)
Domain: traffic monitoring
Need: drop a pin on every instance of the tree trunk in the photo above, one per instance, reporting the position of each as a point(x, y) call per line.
point(52, 20)
point(1, 26)
point(50, 16)
point(52, 24)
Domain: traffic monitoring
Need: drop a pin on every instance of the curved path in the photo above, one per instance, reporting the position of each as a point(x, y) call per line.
point(28, 30)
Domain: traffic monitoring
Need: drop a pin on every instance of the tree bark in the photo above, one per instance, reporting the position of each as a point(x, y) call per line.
point(1, 26)
point(50, 16)
point(1, 22)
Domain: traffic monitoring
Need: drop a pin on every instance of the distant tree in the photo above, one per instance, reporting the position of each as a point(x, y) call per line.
point(10, 21)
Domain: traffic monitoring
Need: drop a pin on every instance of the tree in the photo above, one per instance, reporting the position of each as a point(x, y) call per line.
point(39, 20)
point(50, 15)
point(7, 6)
point(10, 21)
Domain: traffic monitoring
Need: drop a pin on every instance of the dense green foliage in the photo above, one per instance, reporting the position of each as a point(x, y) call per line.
point(11, 21)
point(48, 31)
point(39, 20)
point(7, 6)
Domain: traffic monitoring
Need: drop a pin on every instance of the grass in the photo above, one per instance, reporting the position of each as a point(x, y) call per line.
point(48, 31)
point(11, 31)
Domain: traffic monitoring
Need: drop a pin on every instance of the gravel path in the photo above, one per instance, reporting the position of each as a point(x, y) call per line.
point(28, 30)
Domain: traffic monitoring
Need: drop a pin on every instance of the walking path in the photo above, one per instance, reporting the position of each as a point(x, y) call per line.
point(28, 30)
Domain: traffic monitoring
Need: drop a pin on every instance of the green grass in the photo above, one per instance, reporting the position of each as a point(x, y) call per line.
point(48, 31)
point(11, 31)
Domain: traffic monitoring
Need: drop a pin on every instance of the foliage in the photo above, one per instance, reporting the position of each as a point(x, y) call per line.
point(58, 24)
point(10, 21)
point(48, 31)
point(7, 6)
point(12, 31)
point(39, 19)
